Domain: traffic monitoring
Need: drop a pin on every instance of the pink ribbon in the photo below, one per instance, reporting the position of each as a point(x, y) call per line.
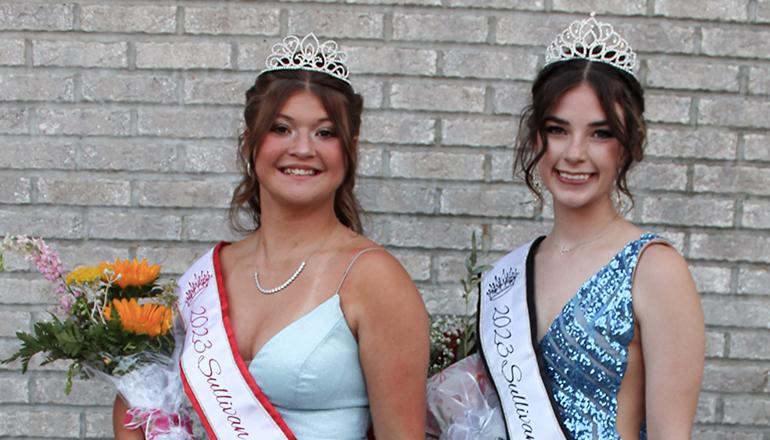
point(158, 424)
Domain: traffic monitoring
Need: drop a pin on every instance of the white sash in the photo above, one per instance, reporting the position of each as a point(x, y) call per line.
point(215, 377)
point(506, 345)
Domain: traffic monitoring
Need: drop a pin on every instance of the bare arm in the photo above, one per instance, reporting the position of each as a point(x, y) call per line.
point(118, 413)
point(392, 327)
point(673, 342)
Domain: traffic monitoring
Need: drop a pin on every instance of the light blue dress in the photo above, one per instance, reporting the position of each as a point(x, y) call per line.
point(311, 373)
point(584, 353)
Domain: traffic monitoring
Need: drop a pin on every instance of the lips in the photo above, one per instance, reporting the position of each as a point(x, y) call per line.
point(570, 177)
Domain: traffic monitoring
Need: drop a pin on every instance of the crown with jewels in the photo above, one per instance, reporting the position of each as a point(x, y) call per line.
point(592, 40)
point(308, 54)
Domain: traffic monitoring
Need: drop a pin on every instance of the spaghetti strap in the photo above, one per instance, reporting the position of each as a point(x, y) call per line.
point(350, 265)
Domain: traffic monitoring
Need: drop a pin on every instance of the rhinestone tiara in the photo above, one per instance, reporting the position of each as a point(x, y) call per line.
point(592, 40)
point(308, 54)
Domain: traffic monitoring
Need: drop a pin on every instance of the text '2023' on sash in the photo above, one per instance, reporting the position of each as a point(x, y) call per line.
point(216, 379)
point(506, 346)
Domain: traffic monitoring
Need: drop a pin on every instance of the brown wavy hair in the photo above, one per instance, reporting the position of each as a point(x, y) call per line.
point(263, 102)
point(612, 87)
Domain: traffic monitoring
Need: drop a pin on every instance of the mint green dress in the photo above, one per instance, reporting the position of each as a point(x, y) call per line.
point(311, 373)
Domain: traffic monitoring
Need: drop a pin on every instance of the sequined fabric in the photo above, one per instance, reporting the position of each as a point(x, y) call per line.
point(585, 350)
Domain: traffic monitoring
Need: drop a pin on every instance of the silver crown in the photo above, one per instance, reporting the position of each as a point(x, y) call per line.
point(308, 54)
point(594, 41)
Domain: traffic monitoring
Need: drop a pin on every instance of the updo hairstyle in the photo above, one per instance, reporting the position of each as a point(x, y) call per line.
point(263, 102)
point(620, 96)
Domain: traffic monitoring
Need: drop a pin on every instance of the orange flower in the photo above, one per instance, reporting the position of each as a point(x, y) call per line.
point(150, 319)
point(132, 273)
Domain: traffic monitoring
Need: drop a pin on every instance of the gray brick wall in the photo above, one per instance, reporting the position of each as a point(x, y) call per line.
point(117, 133)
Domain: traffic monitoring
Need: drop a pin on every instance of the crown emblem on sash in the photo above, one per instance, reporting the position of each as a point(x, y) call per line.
point(308, 54)
point(501, 282)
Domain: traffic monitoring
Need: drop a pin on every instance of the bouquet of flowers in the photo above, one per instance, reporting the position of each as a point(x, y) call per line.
point(113, 321)
point(462, 404)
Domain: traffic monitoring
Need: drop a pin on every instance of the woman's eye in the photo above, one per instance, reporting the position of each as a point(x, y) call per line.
point(326, 133)
point(554, 129)
point(279, 128)
point(603, 134)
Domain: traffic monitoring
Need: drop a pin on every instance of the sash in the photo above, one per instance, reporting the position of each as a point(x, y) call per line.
point(506, 347)
point(215, 377)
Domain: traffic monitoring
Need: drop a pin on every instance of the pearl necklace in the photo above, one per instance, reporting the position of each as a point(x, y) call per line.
point(287, 283)
point(283, 285)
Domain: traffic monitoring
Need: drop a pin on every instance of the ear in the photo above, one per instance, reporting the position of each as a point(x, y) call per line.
point(354, 142)
point(537, 145)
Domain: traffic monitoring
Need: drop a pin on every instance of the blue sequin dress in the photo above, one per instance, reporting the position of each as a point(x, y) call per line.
point(584, 353)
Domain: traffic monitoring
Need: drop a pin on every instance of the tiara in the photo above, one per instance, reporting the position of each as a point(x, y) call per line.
point(308, 54)
point(594, 41)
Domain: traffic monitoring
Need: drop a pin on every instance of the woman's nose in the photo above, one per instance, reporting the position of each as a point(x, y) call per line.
point(576, 149)
point(302, 145)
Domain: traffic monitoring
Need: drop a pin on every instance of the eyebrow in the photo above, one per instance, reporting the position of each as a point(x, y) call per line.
point(558, 120)
point(281, 115)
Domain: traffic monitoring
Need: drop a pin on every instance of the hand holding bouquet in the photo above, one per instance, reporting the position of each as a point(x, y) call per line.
point(113, 321)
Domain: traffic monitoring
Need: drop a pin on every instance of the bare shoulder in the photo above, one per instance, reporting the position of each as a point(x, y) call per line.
point(663, 279)
point(660, 263)
point(377, 270)
point(244, 245)
point(379, 283)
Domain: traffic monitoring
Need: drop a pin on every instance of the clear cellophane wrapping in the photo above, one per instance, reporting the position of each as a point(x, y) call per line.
point(463, 405)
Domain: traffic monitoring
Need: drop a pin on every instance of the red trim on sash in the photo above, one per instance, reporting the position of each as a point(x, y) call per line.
point(236, 353)
point(196, 405)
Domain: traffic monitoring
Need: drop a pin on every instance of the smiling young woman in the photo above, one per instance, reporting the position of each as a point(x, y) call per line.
point(614, 343)
point(291, 336)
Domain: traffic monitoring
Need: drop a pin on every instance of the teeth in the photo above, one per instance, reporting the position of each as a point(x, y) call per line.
point(581, 177)
point(299, 171)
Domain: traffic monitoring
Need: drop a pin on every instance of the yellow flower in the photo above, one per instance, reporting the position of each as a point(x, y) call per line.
point(150, 319)
point(132, 272)
point(84, 275)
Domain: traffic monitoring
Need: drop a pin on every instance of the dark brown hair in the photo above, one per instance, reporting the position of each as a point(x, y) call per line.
point(612, 87)
point(263, 102)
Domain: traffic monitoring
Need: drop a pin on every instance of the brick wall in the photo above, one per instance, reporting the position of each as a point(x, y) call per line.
point(117, 133)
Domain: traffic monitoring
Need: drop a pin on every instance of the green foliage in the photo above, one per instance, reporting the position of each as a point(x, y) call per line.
point(454, 337)
point(91, 341)
point(95, 345)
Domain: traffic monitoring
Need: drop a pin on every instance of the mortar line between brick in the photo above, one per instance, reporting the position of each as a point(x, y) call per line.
point(131, 55)
point(235, 52)
point(743, 80)
point(387, 26)
point(385, 165)
point(283, 21)
point(82, 420)
point(489, 100)
point(180, 14)
point(492, 29)
point(76, 13)
point(77, 87)
point(28, 52)
point(751, 11)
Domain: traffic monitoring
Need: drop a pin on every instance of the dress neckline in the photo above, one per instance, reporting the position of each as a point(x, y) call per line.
point(304, 316)
point(293, 323)
point(531, 286)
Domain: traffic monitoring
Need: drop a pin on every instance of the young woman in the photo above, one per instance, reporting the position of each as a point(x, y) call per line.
point(613, 346)
point(290, 331)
